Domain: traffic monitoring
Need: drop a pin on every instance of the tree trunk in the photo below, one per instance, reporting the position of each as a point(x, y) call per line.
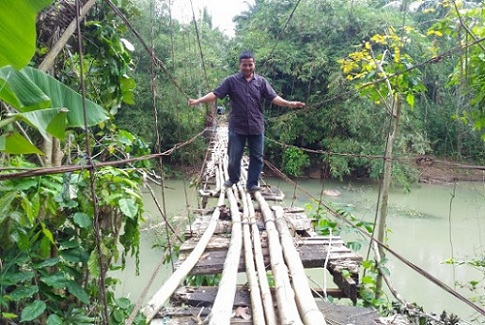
point(386, 183)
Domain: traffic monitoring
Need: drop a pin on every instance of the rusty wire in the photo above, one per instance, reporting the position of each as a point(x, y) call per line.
point(32, 172)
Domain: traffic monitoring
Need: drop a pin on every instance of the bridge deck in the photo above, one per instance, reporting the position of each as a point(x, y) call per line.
point(247, 241)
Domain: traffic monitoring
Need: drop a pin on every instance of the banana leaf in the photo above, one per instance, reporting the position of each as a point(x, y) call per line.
point(15, 143)
point(47, 121)
point(17, 30)
point(64, 97)
point(17, 90)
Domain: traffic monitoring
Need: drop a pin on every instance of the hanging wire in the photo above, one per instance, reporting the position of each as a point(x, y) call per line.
point(278, 36)
point(159, 63)
point(402, 159)
point(92, 174)
point(198, 42)
point(178, 113)
point(158, 145)
point(32, 172)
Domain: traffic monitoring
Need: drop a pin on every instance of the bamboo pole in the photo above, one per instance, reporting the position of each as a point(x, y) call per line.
point(307, 306)
point(285, 297)
point(164, 293)
point(257, 310)
point(266, 296)
point(223, 304)
point(260, 267)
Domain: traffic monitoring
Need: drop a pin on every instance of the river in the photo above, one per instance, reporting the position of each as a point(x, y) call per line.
point(427, 226)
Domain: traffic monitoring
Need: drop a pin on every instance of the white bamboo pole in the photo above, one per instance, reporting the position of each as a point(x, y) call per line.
point(257, 310)
point(223, 304)
point(285, 297)
point(307, 306)
point(164, 293)
point(266, 295)
point(261, 268)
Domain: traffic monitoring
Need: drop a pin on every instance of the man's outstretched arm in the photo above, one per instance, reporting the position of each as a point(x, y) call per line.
point(283, 102)
point(210, 97)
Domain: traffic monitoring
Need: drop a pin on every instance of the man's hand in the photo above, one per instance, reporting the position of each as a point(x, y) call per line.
point(297, 104)
point(193, 102)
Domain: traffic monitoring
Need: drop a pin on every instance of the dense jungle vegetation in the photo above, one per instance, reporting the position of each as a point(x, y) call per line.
point(369, 70)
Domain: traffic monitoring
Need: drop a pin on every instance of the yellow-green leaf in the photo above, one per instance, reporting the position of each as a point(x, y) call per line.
point(17, 30)
point(15, 143)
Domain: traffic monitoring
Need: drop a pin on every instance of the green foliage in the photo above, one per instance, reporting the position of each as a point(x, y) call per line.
point(294, 160)
point(50, 263)
point(121, 310)
point(367, 289)
point(45, 104)
point(467, 76)
point(49, 254)
point(475, 287)
point(199, 280)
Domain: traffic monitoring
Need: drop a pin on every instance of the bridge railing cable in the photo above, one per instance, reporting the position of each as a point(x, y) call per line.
point(41, 171)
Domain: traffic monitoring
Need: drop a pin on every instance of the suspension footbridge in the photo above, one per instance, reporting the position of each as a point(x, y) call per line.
point(258, 250)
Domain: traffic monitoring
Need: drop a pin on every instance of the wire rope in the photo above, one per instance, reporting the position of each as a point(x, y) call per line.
point(278, 36)
point(92, 174)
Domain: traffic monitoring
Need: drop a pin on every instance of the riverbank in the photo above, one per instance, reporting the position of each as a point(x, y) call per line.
point(434, 171)
point(443, 171)
point(428, 169)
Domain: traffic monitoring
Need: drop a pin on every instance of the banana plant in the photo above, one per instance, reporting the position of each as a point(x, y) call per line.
point(44, 103)
point(32, 96)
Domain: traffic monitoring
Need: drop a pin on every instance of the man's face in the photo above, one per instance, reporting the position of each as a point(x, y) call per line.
point(246, 66)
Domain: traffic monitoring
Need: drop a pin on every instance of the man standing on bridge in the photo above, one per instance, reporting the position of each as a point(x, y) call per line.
point(246, 90)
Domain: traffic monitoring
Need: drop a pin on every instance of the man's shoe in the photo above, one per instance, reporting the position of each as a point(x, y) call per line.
point(228, 183)
point(254, 188)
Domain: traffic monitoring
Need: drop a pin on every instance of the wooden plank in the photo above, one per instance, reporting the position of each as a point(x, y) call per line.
point(327, 238)
point(215, 243)
point(293, 210)
point(190, 316)
point(335, 314)
point(272, 194)
point(223, 227)
point(304, 241)
point(311, 256)
point(348, 284)
point(209, 193)
point(298, 221)
point(205, 296)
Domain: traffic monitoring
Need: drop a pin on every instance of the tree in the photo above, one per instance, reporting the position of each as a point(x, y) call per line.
point(385, 79)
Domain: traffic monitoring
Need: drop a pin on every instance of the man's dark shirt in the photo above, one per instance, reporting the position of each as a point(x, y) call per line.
point(246, 102)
